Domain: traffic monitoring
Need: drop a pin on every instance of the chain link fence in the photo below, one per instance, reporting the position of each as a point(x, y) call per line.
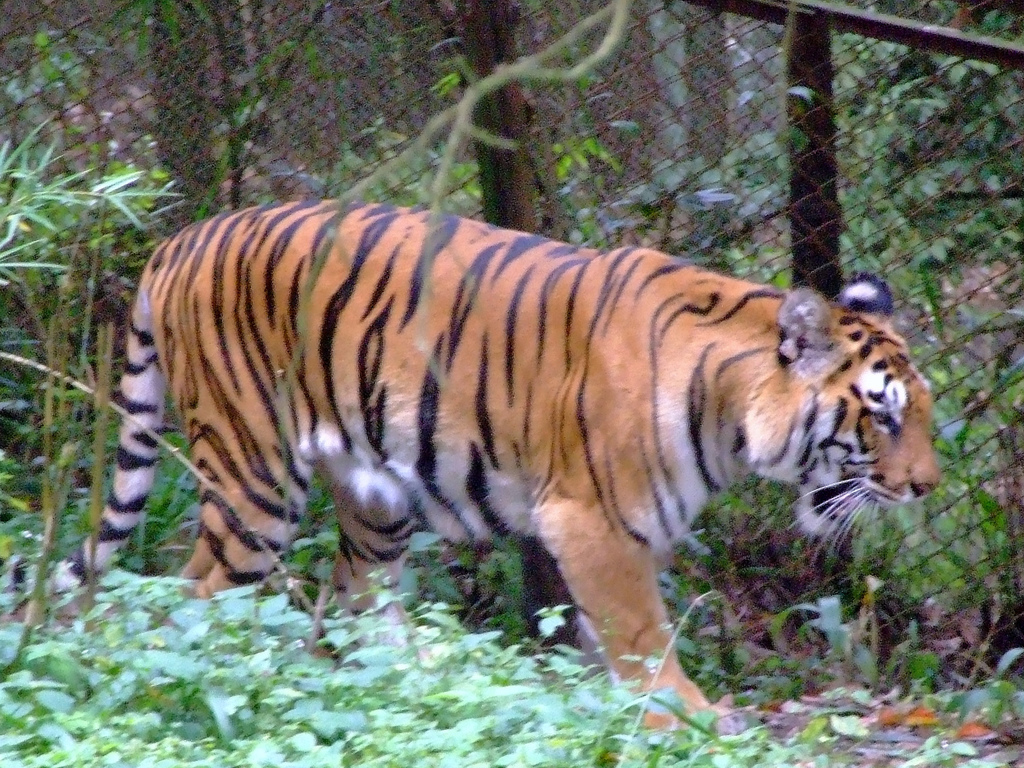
point(683, 143)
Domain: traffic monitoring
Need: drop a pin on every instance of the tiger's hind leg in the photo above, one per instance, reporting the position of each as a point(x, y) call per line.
point(372, 543)
point(239, 543)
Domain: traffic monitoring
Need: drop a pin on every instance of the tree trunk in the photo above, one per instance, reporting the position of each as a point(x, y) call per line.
point(506, 176)
point(816, 219)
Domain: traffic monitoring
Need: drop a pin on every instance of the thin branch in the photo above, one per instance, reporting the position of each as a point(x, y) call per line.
point(531, 68)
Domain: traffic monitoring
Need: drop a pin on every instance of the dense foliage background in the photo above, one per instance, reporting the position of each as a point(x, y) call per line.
point(120, 121)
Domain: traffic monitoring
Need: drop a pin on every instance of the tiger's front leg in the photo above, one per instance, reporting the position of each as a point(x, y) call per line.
point(613, 579)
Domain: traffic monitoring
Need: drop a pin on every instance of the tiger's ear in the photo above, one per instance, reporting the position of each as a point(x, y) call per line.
point(805, 332)
point(867, 293)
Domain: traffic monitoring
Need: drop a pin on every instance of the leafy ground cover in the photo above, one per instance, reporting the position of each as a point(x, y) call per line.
point(149, 678)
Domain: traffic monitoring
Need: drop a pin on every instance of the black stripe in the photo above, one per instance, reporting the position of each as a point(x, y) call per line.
point(135, 369)
point(145, 439)
point(760, 293)
point(561, 250)
point(608, 288)
point(145, 338)
point(739, 442)
point(570, 307)
point(812, 416)
point(614, 503)
point(251, 311)
point(465, 299)
point(246, 536)
point(390, 530)
point(665, 269)
point(110, 533)
point(697, 404)
point(373, 395)
point(528, 413)
point(588, 449)
point(382, 283)
point(426, 423)
point(655, 420)
point(739, 356)
point(388, 555)
point(714, 299)
point(238, 422)
point(77, 564)
point(440, 231)
point(426, 429)
point(368, 240)
point(659, 505)
point(135, 407)
point(236, 577)
point(130, 507)
point(511, 318)
point(477, 491)
point(483, 415)
point(775, 460)
point(127, 460)
point(297, 477)
point(244, 578)
point(519, 245)
point(842, 408)
point(545, 296)
point(256, 466)
point(307, 209)
point(637, 263)
point(220, 300)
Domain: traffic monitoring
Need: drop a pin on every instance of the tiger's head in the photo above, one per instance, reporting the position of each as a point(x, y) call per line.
point(868, 416)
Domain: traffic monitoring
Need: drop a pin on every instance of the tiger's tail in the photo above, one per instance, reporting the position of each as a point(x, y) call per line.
point(142, 391)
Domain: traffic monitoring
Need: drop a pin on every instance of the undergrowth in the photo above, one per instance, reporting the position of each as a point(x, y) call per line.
point(148, 678)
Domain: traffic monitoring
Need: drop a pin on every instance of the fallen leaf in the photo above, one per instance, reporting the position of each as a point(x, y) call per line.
point(890, 717)
point(974, 730)
point(921, 717)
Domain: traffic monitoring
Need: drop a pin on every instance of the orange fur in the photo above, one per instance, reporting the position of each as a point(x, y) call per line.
point(451, 374)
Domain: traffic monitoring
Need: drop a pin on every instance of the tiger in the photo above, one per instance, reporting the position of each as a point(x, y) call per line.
point(442, 373)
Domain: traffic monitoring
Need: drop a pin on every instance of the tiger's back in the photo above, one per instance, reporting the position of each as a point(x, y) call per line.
point(442, 372)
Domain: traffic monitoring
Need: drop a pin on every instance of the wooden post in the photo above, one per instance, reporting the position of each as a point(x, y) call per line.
point(506, 176)
point(816, 220)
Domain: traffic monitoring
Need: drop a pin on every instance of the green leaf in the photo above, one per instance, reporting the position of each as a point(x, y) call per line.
point(963, 749)
point(330, 724)
point(851, 726)
point(1007, 660)
point(221, 707)
point(303, 742)
point(550, 624)
point(55, 701)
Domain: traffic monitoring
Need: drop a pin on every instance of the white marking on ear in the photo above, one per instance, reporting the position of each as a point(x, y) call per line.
point(867, 293)
point(862, 292)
